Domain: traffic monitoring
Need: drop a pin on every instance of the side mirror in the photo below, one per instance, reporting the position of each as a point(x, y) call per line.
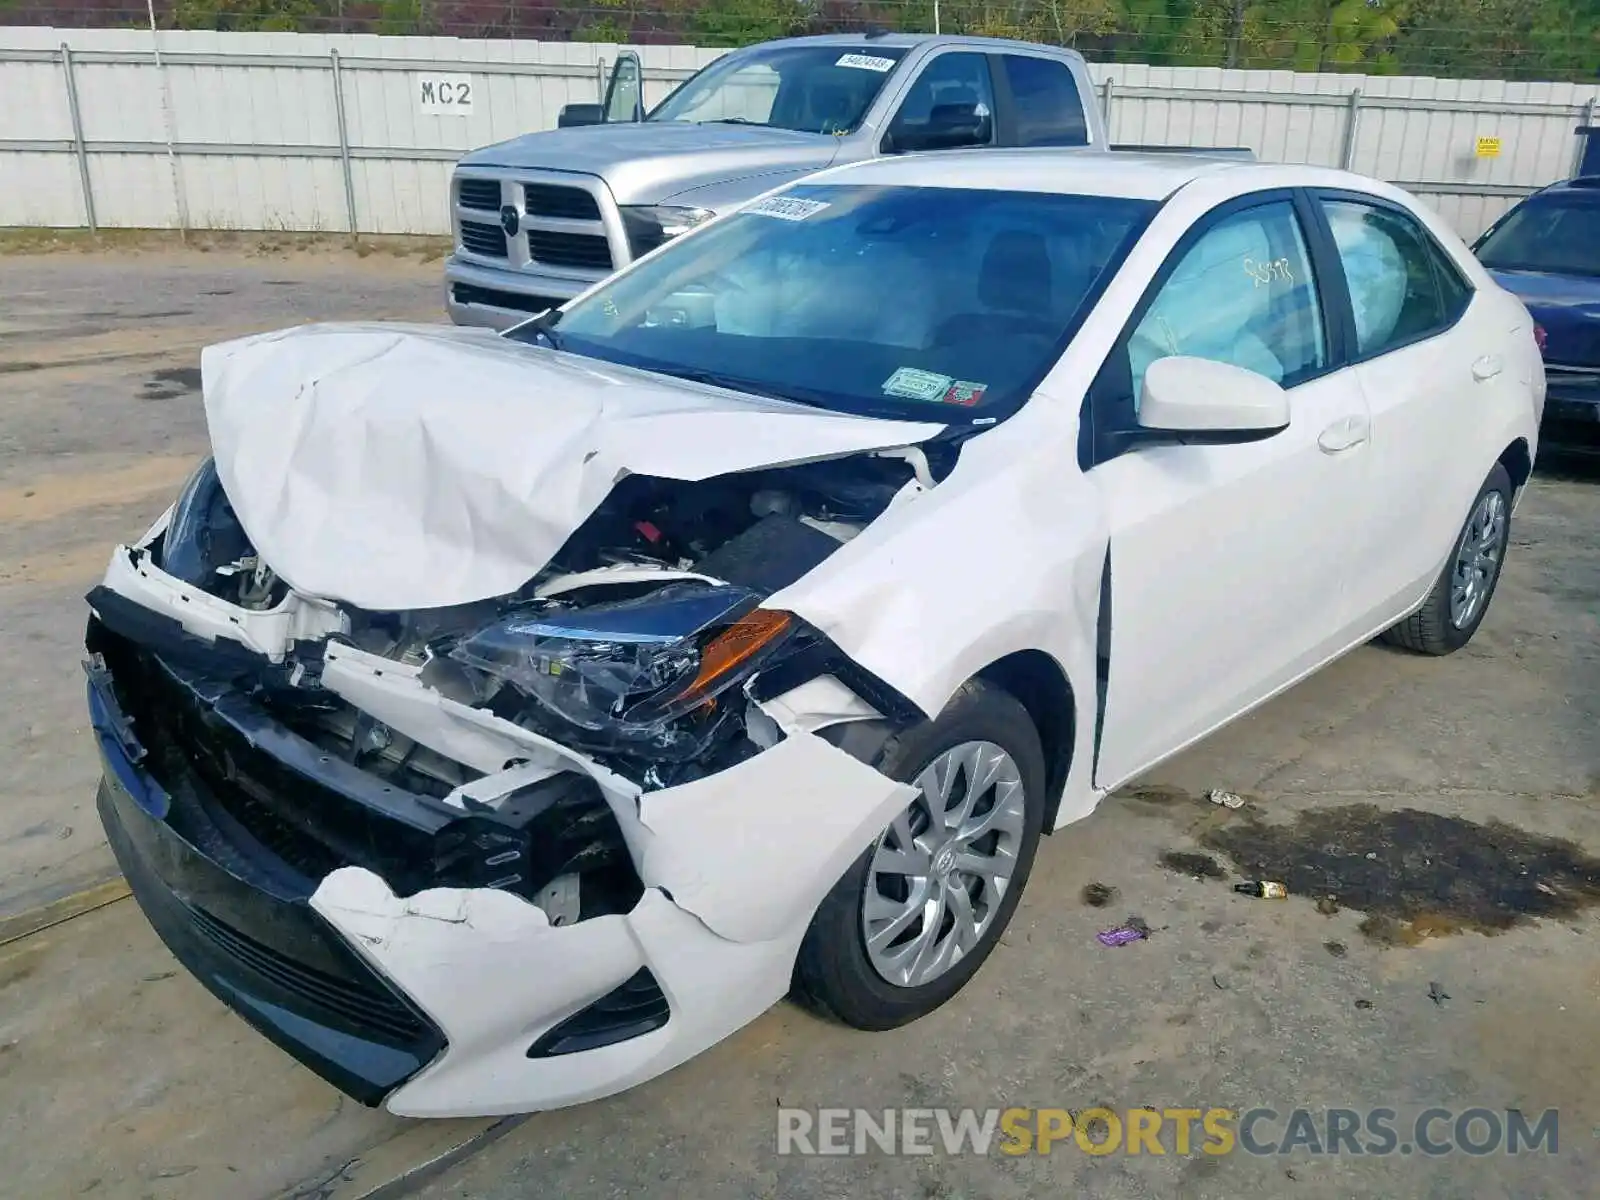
point(949, 127)
point(573, 115)
point(1215, 402)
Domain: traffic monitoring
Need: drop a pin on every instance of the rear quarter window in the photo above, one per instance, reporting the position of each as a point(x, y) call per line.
point(1048, 111)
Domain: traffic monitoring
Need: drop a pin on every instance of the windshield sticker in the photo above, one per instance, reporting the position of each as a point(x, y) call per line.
point(787, 208)
point(865, 62)
point(917, 385)
point(965, 393)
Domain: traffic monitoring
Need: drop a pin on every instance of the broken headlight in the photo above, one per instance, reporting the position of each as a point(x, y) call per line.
point(638, 676)
point(203, 533)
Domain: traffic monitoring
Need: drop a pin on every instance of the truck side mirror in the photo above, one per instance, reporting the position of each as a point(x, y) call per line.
point(573, 115)
point(948, 127)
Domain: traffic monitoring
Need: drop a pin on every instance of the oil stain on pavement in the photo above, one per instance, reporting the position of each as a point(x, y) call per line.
point(170, 382)
point(1415, 874)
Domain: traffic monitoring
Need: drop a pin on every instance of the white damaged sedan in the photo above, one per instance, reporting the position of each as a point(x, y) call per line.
point(495, 722)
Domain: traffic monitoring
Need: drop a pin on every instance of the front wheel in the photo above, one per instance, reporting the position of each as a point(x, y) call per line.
point(916, 915)
point(1460, 597)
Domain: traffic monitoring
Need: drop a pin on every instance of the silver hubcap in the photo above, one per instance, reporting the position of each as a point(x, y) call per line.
point(1477, 559)
point(941, 868)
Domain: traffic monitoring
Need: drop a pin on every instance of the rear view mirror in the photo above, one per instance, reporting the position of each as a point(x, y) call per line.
point(1216, 401)
point(573, 115)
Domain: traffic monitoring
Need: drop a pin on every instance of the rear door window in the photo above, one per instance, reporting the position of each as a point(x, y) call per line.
point(1047, 109)
point(1400, 289)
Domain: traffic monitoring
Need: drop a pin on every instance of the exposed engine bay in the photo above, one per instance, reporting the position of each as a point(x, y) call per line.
point(642, 645)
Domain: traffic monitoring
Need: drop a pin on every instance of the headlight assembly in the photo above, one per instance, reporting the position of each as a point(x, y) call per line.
point(640, 675)
point(203, 533)
point(649, 225)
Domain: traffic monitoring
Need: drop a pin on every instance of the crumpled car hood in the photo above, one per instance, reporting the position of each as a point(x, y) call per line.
point(417, 466)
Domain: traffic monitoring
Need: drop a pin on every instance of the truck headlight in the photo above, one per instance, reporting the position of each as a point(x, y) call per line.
point(649, 225)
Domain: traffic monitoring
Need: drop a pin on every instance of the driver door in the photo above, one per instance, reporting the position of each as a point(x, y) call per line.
point(1227, 562)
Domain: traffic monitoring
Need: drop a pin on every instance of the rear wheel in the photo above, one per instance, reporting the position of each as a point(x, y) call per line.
point(1460, 597)
point(916, 915)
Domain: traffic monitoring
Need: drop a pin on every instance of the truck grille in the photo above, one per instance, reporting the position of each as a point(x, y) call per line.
point(569, 249)
point(553, 200)
point(566, 223)
point(487, 240)
point(481, 194)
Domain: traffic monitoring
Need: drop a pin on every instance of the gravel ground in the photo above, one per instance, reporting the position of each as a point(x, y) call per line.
point(1432, 797)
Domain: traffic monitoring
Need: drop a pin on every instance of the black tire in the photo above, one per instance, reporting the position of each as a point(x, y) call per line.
point(1430, 630)
point(833, 972)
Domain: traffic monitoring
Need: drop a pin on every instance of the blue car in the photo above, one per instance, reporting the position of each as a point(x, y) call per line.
point(1547, 251)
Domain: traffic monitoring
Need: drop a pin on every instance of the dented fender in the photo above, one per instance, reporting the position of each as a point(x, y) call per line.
point(752, 850)
point(926, 618)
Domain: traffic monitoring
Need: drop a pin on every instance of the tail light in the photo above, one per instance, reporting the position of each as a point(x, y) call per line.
point(1540, 338)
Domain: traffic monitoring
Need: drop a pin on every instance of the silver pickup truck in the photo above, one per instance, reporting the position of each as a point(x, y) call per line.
point(541, 217)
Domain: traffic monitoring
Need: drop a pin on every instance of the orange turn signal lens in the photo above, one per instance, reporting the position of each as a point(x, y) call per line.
point(734, 647)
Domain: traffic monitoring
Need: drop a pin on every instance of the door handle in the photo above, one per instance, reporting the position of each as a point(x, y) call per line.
point(1487, 367)
point(1344, 434)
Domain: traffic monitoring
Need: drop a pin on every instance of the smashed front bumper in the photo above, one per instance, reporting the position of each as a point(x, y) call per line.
point(269, 867)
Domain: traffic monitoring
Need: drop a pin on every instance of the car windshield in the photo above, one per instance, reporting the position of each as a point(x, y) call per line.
point(919, 303)
point(812, 89)
point(1560, 235)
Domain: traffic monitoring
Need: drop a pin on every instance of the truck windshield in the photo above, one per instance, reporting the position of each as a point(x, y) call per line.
point(1555, 234)
point(811, 89)
point(940, 304)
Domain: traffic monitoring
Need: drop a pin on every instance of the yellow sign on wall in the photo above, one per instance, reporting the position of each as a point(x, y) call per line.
point(1488, 147)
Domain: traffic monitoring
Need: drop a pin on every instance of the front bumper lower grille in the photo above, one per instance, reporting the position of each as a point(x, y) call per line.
point(252, 939)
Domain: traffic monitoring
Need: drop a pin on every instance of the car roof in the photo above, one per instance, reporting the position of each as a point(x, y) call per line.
point(1067, 170)
point(1578, 184)
point(905, 41)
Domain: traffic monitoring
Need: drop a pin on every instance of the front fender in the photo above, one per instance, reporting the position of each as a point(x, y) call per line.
point(1005, 555)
